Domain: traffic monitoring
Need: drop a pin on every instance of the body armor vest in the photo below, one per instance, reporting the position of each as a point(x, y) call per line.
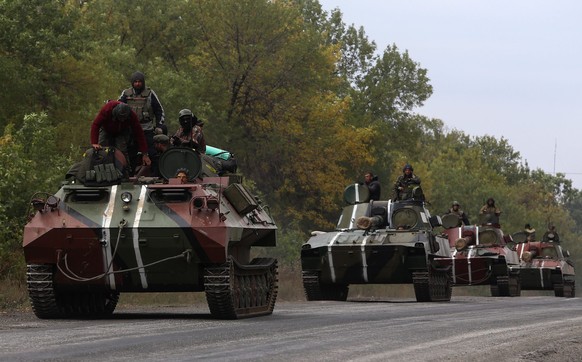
point(141, 104)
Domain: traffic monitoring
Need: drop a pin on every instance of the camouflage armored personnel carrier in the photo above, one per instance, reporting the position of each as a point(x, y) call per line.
point(481, 255)
point(377, 242)
point(103, 234)
point(545, 265)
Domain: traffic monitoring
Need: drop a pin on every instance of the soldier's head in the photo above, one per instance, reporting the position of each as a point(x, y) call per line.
point(121, 112)
point(407, 170)
point(182, 174)
point(187, 119)
point(368, 177)
point(456, 205)
point(161, 142)
point(138, 81)
point(490, 202)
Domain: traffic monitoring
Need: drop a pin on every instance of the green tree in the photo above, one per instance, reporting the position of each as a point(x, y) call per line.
point(31, 162)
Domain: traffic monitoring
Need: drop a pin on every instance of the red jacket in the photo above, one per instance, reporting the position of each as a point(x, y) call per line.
point(105, 120)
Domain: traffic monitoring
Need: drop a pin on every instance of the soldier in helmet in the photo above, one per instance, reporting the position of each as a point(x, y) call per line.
point(404, 183)
point(114, 126)
point(456, 210)
point(489, 213)
point(190, 133)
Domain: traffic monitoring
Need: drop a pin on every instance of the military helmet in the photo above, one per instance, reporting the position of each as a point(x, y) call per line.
point(407, 167)
point(456, 203)
point(184, 113)
point(161, 138)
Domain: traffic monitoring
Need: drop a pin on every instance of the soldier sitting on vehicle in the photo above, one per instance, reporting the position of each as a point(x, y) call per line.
point(489, 213)
point(530, 233)
point(405, 184)
point(190, 133)
point(456, 210)
point(551, 235)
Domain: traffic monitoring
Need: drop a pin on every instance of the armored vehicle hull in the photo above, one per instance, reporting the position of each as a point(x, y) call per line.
point(480, 255)
point(545, 266)
point(85, 245)
point(395, 247)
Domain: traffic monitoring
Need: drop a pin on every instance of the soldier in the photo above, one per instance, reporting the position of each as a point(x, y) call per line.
point(182, 174)
point(530, 233)
point(146, 104)
point(490, 208)
point(489, 213)
point(114, 125)
point(404, 183)
point(551, 235)
point(161, 144)
point(190, 133)
point(373, 185)
point(456, 210)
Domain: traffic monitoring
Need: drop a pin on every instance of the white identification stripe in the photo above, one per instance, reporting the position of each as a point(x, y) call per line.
point(469, 266)
point(107, 216)
point(477, 235)
point(135, 231)
point(364, 261)
point(353, 217)
point(330, 257)
point(542, 274)
point(454, 264)
point(357, 188)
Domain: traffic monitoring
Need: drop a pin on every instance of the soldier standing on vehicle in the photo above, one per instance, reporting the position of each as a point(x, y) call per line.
point(114, 125)
point(146, 104)
point(373, 185)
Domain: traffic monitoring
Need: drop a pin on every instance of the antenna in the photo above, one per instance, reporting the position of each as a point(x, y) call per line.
point(555, 151)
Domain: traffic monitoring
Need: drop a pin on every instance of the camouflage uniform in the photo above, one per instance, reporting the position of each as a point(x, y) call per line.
point(486, 209)
point(403, 186)
point(460, 214)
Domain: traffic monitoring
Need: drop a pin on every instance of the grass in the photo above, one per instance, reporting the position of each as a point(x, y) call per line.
point(13, 295)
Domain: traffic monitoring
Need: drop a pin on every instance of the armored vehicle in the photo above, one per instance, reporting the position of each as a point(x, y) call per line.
point(377, 242)
point(103, 234)
point(481, 255)
point(545, 265)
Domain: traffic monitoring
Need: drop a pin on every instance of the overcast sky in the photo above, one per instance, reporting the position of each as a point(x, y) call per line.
point(509, 69)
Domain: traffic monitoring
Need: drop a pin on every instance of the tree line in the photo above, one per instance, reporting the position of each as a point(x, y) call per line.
point(306, 103)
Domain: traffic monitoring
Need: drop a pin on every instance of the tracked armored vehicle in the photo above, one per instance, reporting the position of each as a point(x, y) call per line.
point(103, 234)
point(545, 265)
point(377, 242)
point(481, 255)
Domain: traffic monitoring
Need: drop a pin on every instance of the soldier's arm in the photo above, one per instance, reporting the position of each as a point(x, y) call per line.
point(123, 97)
point(157, 108)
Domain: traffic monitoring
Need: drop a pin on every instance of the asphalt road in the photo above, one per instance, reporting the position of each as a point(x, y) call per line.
point(466, 329)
